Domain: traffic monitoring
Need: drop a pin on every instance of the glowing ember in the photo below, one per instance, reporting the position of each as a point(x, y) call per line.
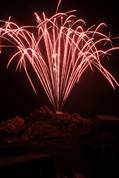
point(59, 49)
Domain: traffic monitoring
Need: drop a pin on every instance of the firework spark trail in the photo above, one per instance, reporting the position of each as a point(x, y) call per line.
point(59, 53)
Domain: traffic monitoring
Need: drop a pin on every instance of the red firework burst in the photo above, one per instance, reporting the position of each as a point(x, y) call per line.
point(59, 52)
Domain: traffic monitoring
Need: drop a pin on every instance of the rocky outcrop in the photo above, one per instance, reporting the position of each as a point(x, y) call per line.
point(44, 124)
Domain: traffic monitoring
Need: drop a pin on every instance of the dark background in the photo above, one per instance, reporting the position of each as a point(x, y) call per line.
point(93, 95)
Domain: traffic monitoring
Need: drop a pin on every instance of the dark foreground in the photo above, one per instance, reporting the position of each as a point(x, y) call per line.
point(47, 146)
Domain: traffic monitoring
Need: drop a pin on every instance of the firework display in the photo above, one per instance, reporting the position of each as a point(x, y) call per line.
point(59, 49)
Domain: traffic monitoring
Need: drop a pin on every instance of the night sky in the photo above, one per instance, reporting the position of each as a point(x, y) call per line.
point(93, 95)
